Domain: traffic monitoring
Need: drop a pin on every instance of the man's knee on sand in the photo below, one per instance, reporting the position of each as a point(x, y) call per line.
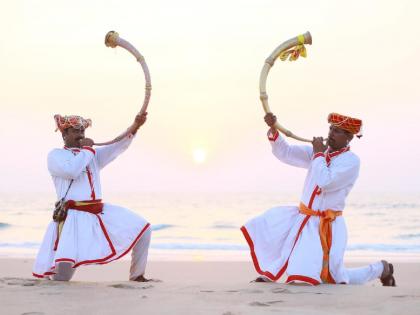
point(64, 272)
point(148, 234)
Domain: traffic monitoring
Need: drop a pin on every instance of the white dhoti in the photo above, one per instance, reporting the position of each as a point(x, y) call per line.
point(284, 241)
point(290, 240)
point(89, 238)
point(98, 236)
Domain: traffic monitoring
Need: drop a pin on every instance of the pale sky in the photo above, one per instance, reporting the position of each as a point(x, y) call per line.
point(205, 130)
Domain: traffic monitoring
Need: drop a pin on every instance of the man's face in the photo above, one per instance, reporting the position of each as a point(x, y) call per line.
point(338, 138)
point(72, 136)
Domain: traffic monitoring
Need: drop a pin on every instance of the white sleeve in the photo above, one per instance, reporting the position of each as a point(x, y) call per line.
point(336, 176)
point(295, 155)
point(106, 154)
point(69, 166)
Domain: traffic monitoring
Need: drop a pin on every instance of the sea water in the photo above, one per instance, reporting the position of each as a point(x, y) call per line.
point(205, 226)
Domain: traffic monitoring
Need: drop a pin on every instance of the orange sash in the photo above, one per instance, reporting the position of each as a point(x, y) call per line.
point(325, 235)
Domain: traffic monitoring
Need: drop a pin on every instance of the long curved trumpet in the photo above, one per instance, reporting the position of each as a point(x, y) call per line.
point(283, 51)
point(112, 39)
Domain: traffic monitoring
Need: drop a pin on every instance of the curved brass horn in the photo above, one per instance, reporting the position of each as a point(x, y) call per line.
point(269, 62)
point(112, 39)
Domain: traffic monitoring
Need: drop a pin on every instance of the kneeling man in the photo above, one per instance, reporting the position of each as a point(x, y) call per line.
point(90, 231)
point(307, 242)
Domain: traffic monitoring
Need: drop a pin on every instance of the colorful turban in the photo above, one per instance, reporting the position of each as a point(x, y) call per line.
point(352, 125)
point(72, 121)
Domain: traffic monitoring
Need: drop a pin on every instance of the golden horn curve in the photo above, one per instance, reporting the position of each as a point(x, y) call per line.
point(113, 39)
point(269, 62)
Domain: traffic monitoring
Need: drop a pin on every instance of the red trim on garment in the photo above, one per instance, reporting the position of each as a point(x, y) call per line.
point(89, 149)
point(132, 244)
point(255, 259)
point(46, 274)
point(274, 137)
point(319, 154)
point(92, 188)
point(65, 260)
point(72, 149)
point(345, 149)
point(56, 241)
point(106, 233)
point(101, 261)
point(329, 155)
point(83, 148)
point(113, 252)
point(305, 279)
point(317, 191)
point(89, 174)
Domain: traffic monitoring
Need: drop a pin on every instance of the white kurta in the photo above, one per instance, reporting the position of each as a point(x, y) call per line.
point(282, 240)
point(87, 238)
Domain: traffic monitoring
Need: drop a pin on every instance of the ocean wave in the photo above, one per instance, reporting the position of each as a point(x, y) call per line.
point(21, 245)
point(224, 226)
point(373, 214)
point(198, 246)
point(396, 248)
point(171, 238)
point(408, 236)
point(4, 225)
point(384, 247)
point(157, 227)
point(236, 247)
point(401, 205)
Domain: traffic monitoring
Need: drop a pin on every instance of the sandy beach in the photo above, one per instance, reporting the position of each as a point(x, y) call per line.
point(197, 288)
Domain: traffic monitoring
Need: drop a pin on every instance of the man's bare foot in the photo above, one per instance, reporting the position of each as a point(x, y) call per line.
point(387, 277)
point(141, 278)
point(262, 279)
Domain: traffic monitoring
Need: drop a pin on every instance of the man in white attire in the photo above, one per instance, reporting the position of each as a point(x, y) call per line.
point(307, 242)
point(93, 232)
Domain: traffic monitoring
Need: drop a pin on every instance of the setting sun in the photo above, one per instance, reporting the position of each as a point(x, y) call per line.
point(199, 155)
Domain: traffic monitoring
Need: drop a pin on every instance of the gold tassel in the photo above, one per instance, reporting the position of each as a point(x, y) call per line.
point(294, 53)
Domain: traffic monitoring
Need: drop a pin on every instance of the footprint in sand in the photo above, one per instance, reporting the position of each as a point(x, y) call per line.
point(258, 304)
point(127, 286)
point(50, 293)
point(19, 281)
point(286, 291)
point(406, 296)
point(281, 290)
point(252, 291)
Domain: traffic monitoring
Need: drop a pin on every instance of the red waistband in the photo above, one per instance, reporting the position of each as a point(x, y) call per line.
point(91, 206)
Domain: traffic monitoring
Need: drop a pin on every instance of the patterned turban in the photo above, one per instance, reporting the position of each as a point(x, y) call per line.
point(352, 125)
point(72, 121)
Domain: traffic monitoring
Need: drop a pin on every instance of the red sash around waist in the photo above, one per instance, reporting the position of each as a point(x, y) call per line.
point(91, 206)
